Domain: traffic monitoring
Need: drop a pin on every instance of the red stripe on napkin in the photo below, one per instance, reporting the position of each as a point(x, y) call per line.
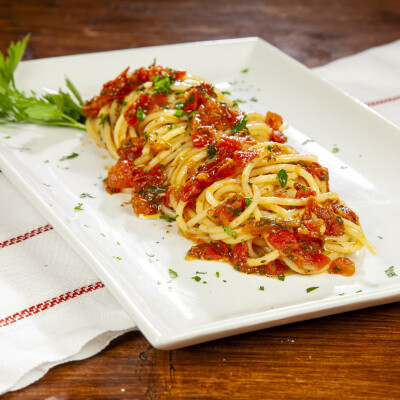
point(27, 235)
point(27, 312)
point(382, 101)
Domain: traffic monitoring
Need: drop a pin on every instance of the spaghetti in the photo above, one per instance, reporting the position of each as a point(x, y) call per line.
point(186, 152)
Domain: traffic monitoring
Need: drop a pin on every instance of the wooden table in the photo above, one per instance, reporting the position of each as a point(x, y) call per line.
point(354, 355)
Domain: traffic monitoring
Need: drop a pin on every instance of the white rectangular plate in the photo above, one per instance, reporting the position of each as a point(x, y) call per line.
point(133, 256)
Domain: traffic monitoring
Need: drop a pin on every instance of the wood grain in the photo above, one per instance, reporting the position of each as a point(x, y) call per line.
point(349, 356)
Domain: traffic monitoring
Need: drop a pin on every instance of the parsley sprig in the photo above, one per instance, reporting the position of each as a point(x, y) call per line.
point(49, 109)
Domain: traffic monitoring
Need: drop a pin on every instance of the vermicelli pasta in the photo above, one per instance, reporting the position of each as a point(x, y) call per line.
point(186, 152)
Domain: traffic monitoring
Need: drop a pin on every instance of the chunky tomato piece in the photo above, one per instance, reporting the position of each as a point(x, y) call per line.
point(318, 171)
point(142, 180)
point(197, 96)
point(116, 89)
point(275, 268)
point(343, 266)
point(277, 136)
point(131, 148)
point(120, 175)
point(124, 84)
point(333, 223)
point(273, 120)
point(303, 191)
point(203, 136)
point(143, 207)
point(210, 251)
point(206, 175)
point(157, 101)
point(312, 227)
point(228, 145)
point(282, 238)
point(132, 115)
point(229, 210)
point(239, 254)
point(243, 157)
point(345, 212)
point(302, 251)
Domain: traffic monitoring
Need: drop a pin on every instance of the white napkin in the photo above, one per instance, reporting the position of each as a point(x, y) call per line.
point(53, 309)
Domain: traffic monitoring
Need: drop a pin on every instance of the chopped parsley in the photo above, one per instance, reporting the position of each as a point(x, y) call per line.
point(168, 218)
point(117, 258)
point(173, 274)
point(281, 277)
point(240, 125)
point(339, 219)
point(261, 288)
point(83, 195)
point(244, 71)
point(79, 207)
point(180, 113)
point(307, 141)
point(73, 155)
point(248, 201)
point(310, 289)
point(212, 150)
point(335, 150)
point(196, 278)
point(226, 92)
point(162, 84)
point(390, 272)
point(217, 274)
point(229, 231)
point(140, 114)
point(283, 177)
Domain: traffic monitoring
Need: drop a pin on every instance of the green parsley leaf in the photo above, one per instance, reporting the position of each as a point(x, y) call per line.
point(229, 231)
point(83, 195)
point(339, 219)
point(162, 84)
point(71, 156)
point(140, 114)
point(180, 113)
point(212, 150)
point(244, 71)
point(283, 177)
point(310, 289)
point(390, 272)
point(226, 92)
point(240, 125)
point(281, 277)
point(50, 109)
point(217, 274)
point(167, 218)
point(156, 189)
point(196, 278)
point(335, 150)
point(173, 274)
point(248, 201)
point(74, 91)
point(261, 288)
point(254, 99)
point(79, 207)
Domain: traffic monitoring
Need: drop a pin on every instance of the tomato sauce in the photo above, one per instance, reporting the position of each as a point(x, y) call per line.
point(342, 266)
point(301, 250)
point(229, 210)
point(124, 84)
